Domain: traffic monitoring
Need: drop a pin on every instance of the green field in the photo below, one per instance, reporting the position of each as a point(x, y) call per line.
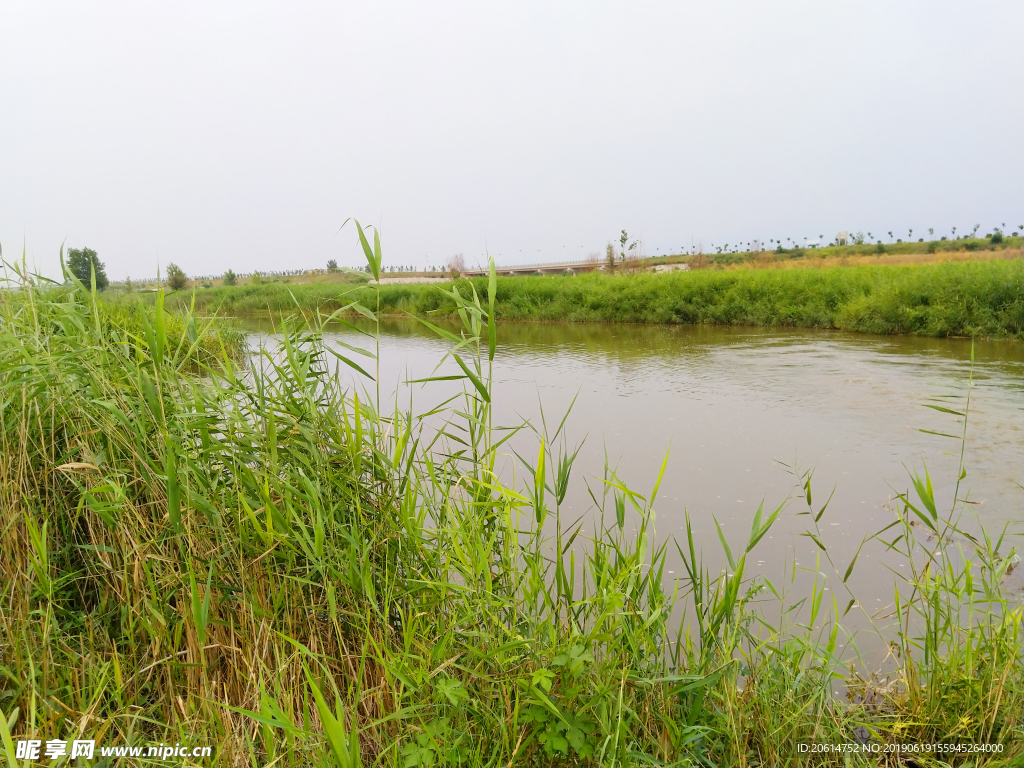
point(837, 252)
point(255, 559)
point(978, 298)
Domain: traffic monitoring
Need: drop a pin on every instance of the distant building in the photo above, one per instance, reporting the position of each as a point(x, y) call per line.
point(755, 245)
point(842, 238)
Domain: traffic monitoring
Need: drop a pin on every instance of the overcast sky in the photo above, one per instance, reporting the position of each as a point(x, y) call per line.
point(242, 135)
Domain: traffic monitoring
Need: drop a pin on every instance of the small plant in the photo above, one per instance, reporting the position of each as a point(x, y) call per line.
point(128, 285)
point(176, 277)
point(456, 266)
point(230, 278)
point(257, 278)
point(631, 251)
point(609, 257)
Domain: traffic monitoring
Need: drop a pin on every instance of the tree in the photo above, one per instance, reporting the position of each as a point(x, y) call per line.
point(176, 277)
point(332, 265)
point(609, 257)
point(456, 265)
point(624, 250)
point(230, 278)
point(82, 262)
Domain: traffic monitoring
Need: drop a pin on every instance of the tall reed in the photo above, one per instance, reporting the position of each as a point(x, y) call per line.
point(976, 299)
point(260, 558)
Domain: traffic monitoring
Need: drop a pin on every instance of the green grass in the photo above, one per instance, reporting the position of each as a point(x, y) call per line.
point(266, 562)
point(970, 244)
point(864, 249)
point(984, 298)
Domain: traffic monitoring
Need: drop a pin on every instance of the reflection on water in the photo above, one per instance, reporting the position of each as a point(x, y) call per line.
point(737, 405)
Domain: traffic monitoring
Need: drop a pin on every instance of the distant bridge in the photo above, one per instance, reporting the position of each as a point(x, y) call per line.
point(557, 268)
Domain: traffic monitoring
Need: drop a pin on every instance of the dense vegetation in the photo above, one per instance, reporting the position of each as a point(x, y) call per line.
point(726, 257)
point(984, 298)
point(265, 562)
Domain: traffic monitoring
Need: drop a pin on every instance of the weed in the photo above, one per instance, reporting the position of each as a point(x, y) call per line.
point(261, 559)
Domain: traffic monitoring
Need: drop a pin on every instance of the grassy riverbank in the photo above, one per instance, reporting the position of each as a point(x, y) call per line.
point(262, 562)
point(984, 298)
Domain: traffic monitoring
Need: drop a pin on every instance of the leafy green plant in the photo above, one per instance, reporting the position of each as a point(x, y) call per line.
point(83, 263)
point(176, 277)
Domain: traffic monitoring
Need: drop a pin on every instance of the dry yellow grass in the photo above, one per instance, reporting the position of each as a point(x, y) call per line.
point(766, 260)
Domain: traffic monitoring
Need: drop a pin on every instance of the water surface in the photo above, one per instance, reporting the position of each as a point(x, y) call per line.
point(743, 409)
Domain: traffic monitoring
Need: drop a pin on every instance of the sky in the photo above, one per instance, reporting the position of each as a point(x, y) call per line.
point(242, 135)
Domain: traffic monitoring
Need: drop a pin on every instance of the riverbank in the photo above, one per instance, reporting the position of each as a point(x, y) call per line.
point(967, 298)
point(265, 563)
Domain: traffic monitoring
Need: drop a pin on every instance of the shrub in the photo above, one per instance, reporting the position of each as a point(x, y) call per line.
point(230, 278)
point(456, 265)
point(879, 248)
point(332, 265)
point(176, 277)
point(933, 247)
point(997, 237)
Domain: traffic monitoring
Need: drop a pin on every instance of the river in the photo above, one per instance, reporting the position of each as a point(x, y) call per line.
point(741, 409)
